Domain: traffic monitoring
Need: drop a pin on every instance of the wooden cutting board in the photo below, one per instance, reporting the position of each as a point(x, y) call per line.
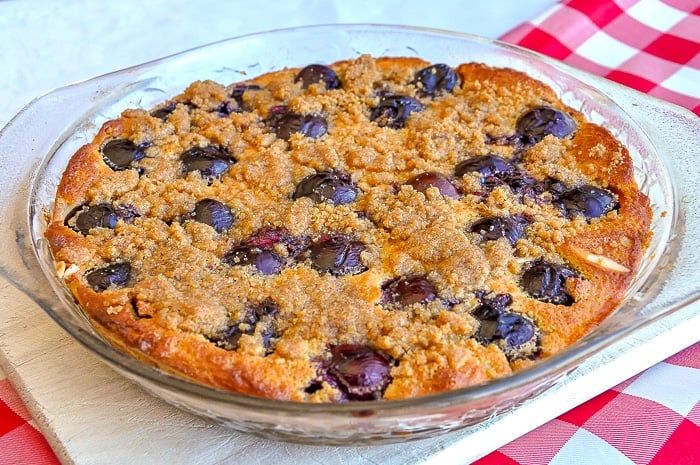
point(93, 416)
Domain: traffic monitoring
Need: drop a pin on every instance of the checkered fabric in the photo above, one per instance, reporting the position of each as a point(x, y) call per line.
point(651, 419)
point(20, 442)
point(650, 45)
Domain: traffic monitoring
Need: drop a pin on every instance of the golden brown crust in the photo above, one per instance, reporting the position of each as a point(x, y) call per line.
point(181, 297)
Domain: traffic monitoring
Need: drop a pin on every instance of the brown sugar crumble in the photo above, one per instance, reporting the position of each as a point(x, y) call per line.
point(376, 228)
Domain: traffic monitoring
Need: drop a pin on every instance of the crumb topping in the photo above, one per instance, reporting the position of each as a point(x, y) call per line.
point(452, 225)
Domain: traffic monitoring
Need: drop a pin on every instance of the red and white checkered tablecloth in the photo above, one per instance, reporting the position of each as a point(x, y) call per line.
point(20, 442)
point(651, 419)
point(650, 45)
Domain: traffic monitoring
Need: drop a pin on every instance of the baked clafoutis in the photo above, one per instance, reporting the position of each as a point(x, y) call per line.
point(375, 228)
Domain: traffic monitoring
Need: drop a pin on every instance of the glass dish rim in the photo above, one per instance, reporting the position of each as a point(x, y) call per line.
point(519, 379)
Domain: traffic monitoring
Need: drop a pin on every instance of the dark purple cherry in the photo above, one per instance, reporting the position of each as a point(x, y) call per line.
point(163, 112)
point(83, 218)
point(285, 123)
point(486, 166)
point(214, 213)
point(492, 228)
point(546, 282)
point(266, 307)
point(589, 201)
point(359, 371)
point(239, 90)
point(491, 305)
point(515, 329)
point(514, 332)
point(496, 171)
point(266, 261)
point(408, 290)
point(522, 183)
point(259, 251)
point(535, 124)
point(337, 254)
point(503, 140)
point(263, 317)
point(119, 154)
point(554, 186)
point(226, 108)
point(488, 312)
point(423, 181)
point(114, 275)
point(211, 162)
point(269, 335)
point(312, 74)
point(435, 79)
point(268, 237)
point(393, 110)
point(228, 339)
point(327, 186)
point(496, 324)
point(254, 316)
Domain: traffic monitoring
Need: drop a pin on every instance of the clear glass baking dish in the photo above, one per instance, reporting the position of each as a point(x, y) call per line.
point(36, 145)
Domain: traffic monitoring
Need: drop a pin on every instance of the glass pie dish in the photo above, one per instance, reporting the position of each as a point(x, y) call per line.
point(51, 128)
